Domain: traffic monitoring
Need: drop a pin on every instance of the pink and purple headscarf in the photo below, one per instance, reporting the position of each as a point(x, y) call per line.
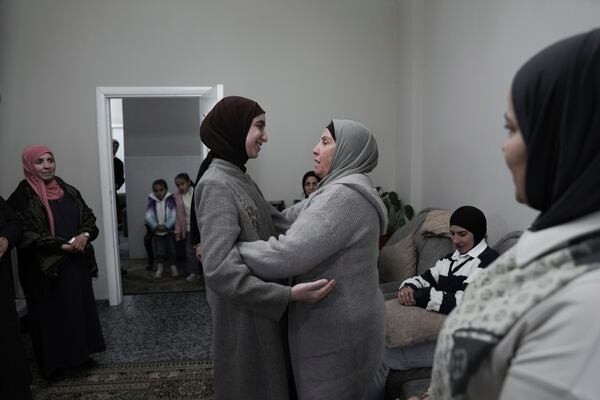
point(45, 190)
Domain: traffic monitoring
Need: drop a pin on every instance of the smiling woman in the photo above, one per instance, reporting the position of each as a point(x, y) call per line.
point(45, 167)
point(56, 266)
point(257, 135)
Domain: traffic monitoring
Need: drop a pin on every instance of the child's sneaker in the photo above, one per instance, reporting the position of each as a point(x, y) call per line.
point(192, 277)
point(159, 271)
point(174, 271)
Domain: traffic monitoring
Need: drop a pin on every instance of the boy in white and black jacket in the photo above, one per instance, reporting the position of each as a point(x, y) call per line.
point(442, 287)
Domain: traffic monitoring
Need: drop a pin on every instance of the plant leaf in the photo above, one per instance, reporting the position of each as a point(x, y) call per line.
point(409, 211)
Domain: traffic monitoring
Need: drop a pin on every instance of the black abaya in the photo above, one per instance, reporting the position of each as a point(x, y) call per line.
point(65, 328)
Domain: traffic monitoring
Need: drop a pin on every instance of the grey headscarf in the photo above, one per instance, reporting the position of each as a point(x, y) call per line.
point(355, 150)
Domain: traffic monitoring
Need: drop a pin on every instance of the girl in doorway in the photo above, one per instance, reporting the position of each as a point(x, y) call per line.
point(183, 202)
point(160, 218)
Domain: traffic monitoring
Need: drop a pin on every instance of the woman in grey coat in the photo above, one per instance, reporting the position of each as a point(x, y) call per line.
point(335, 345)
point(248, 314)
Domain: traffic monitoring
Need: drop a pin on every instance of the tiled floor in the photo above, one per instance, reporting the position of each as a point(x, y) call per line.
point(169, 326)
point(154, 327)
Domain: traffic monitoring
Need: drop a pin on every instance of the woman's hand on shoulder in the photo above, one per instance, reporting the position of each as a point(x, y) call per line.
point(312, 292)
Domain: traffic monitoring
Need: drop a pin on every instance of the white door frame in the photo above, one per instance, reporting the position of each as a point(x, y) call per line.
point(111, 243)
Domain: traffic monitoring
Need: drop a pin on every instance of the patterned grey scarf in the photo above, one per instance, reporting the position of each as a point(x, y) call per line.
point(498, 297)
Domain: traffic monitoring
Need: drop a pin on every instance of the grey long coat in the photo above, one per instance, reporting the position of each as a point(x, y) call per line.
point(250, 356)
point(336, 344)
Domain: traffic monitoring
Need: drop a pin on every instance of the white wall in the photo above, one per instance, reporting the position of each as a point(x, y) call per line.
point(304, 61)
point(162, 126)
point(472, 49)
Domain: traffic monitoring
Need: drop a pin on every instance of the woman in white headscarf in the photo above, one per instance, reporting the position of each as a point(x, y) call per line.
point(336, 345)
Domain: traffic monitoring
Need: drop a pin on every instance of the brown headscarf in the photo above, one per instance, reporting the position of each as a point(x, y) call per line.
point(224, 132)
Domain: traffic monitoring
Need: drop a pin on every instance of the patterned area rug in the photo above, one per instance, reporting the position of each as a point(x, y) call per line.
point(138, 280)
point(179, 380)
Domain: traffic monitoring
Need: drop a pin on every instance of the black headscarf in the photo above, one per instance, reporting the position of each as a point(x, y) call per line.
point(224, 131)
point(556, 98)
point(472, 219)
point(306, 176)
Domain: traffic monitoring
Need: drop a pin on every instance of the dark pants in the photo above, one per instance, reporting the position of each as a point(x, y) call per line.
point(163, 248)
point(192, 263)
point(148, 246)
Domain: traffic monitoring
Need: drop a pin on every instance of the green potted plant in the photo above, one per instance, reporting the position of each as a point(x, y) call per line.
point(398, 213)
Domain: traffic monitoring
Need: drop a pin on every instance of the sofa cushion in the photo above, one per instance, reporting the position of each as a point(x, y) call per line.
point(437, 222)
point(432, 240)
point(407, 325)
point(398, 261)
point(430, 249)
point(507, 241)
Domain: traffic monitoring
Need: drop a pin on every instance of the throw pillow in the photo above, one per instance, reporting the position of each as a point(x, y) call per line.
point(398, 261)
point(431, 249)
point(408, 325)
point(437, 223)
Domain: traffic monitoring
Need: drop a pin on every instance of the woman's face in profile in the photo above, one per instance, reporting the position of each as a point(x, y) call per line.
point(45, 167)
point(257, 135)
point(323, 152)
point(515, 152)
point(310, 185)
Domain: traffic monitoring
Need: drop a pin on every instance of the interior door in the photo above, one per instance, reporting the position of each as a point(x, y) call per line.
point(207, 102)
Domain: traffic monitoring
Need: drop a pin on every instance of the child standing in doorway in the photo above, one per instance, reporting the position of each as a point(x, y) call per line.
point(183, 201)
point(160, 218)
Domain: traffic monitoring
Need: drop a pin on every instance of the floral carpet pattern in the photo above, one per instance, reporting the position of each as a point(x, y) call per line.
point(166, 380)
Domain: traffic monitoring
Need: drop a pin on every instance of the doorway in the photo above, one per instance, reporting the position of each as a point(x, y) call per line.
point(204, 97)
